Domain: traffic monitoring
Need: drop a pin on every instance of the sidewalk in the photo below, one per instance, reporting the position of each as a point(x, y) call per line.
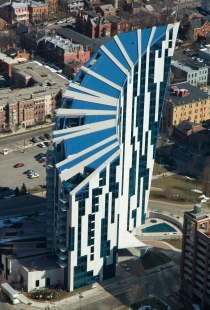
point(23, 130)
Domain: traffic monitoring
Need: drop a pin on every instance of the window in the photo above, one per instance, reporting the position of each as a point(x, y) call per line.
point(37, 283)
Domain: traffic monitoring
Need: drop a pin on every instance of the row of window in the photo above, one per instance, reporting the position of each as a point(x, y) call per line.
point(195, 74)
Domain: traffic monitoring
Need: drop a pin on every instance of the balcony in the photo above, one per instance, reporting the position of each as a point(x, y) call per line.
point(61, 264)
point(61, 231)
point(62, 256)
point(61, 247)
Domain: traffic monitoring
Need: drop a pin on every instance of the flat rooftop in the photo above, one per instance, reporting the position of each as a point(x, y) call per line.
point(42, 263)
point(193, 94)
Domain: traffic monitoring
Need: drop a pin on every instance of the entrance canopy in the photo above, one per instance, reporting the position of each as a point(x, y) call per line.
point(127, 240)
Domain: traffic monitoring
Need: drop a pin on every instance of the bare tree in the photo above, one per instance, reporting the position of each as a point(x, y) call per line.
point(135, 293)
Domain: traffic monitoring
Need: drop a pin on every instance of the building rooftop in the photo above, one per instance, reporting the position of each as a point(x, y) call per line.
point(107, 8)
point(9, 60)
point(194, 94)
point(36, 4)
point(115, 19)
point(189, 65)
point(42, 263)
point(38, 72)
point(79, 38)
point(62, 43)
point(186, 125)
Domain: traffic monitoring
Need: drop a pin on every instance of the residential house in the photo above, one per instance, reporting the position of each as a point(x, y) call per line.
point(71, 68)
point(118, 24)
point(52, 5)
point(184, 102)
point(38, 11)
point(133, 8)
point(196, 29)
point(16, 53)
point(15, 12)
point(193, 72)
point(75, 5)
point(105, 10)
point(185, 129)
point(93, 25)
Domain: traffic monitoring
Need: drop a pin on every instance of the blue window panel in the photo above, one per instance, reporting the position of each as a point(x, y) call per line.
point(65, 184)
point(113, 47)
point(85, 156)
point(97, 85)
point(57, 134)
point(79, 91)
point(145, 35)
point(102, 159)
point(129, 42)
point(159, 33)
point(98, 118)
point(114, 74)
point(78, 104)
point(78, 144)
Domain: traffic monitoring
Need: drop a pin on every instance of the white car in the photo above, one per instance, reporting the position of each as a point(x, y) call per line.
point(49, 25)
point(9, 196)
point(30, 172)
point(41, 144)
point(34, 175)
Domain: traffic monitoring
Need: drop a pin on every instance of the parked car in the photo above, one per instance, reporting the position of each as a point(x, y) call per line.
point(30, 172)
point(43, 160)
point(48, 136)
point(34, 140)
point(42, 138)
point(39, 155)
point(47, 143)
point(9, 196)
point(34, 175)
point(19, 165)
point(41, 144)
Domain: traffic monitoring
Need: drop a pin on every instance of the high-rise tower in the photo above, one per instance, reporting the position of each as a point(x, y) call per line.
point(104, 150)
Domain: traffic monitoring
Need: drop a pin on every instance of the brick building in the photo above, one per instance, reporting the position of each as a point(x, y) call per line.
point(184, 102)
point(195, 257)
point(196, 29)
point(93, 25)
point(61, 50)
point(36, 103)
point(105, 10)
point(3, 24)
point(16, 53)
point(118, 24)
point(37, 11)
point(185, 129)
point(7, 62)
point(15, 12)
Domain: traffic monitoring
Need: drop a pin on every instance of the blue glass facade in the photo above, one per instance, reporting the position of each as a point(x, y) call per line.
point(105, 150)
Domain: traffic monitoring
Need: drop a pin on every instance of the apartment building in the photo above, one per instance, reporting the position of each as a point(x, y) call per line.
point(105, 10)
point(193, 72)
point(37, 11)
point(15, 12)
point(118, 24)
point(185, 102)
point(61, 50)
point(99, 177)
point(195, 258)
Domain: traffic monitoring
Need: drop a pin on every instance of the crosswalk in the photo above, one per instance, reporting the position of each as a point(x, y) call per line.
point(121, 282)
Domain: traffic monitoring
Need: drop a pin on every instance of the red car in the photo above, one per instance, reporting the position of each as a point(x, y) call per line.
point(43, 160)
point(19, 165)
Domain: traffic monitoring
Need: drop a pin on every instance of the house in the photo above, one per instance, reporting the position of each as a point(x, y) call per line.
point(193, 72)
point(118, 24)
point(76, 5)
point(105, 10)
point(196, 29)
point(184, 102)
point(38, 11)
point(15, 52)
point(62, 50)
point(15, 12)
point(71, 67)
point(93, 25)
point(186, 128)
point(6, 63)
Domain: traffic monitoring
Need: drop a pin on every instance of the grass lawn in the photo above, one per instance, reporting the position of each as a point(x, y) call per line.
point(177, 243)
point(153, 302)
point(154, 259)
point(176, 188)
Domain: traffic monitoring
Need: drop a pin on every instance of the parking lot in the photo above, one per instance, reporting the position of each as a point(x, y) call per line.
point(12, 177)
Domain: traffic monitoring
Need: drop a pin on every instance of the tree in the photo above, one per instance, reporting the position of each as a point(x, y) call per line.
point(23, 189)
point(135, 293)
point(17, 191)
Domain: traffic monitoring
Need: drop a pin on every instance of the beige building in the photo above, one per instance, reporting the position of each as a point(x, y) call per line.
point(184, 102)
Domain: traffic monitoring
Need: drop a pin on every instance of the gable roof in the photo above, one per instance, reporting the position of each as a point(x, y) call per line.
point(12, 51)
point(107, 8)
point(186, 125)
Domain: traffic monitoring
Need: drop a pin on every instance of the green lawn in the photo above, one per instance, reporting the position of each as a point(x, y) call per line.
point(154, 259)
point(176, 188)
point(177, 243)
point(153, 302)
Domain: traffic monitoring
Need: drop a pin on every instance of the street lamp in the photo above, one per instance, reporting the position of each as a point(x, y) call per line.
point(80, 300)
